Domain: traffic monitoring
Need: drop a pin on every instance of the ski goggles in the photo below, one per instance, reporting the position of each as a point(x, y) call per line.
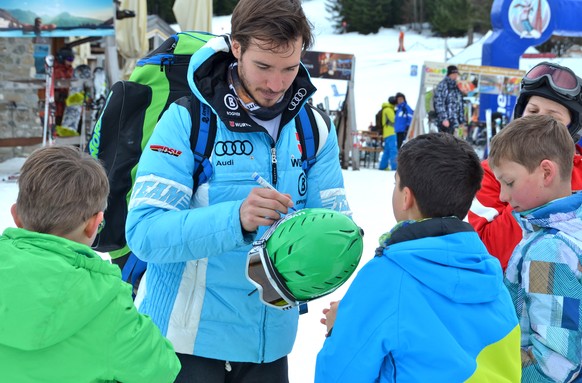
point(261, 272)
point(562, 80)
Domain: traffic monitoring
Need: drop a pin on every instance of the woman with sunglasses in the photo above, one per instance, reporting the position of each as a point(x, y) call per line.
point(548, 89)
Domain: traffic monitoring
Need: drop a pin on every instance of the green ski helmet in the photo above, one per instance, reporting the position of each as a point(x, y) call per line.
point(303, 256)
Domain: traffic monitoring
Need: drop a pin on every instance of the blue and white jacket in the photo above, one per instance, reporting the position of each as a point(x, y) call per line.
point(544, 278)
point(431, 307)
point(448, 102)
point(402, 117)
point(195, 287)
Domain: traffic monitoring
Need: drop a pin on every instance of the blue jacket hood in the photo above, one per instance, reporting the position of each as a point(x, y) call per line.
point(451, 272)
point(562, 214)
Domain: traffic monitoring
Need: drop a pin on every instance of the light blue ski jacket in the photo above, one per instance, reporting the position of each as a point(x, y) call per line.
point(431, 308)
point(544, 278)
point(195, 287)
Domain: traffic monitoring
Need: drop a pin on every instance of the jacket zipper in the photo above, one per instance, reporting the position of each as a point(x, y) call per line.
point(263, 338)
point(273, 165)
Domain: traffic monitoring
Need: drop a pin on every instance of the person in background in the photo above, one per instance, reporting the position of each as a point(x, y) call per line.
point(431, 305)
point(402, 119)
point(63, 71)
point(65, 314)
point(532, 160)
point(389, 135)
point(546, 89)
point(448, 102)
point(196, 241)
point(401, 40)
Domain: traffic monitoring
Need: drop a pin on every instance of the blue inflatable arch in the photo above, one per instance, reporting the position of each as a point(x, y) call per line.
point(519, 24)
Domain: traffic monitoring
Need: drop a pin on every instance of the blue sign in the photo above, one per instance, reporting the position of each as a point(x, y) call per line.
point(413, 70)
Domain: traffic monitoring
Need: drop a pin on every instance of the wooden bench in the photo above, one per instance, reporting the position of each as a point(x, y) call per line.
point(372, 152)
point(19, 141)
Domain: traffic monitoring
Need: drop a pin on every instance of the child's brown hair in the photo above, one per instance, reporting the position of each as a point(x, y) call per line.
point(60, 187)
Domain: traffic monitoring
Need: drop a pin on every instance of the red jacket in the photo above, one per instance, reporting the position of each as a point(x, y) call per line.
point(492, 219)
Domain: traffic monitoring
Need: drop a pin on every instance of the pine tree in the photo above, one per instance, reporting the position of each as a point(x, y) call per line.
point(162, 8)
point(450, 18)
point(364, 16)
point(223, 7)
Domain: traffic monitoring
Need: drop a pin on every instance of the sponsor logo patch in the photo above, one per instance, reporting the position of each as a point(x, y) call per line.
point(297, 98)
point(230, 102)
point(232, 148)
point(166, 150)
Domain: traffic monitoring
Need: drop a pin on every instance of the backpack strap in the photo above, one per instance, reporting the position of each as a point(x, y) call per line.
point(308, 125)
point(133, 270)
point(202, 138)
point(309, 133)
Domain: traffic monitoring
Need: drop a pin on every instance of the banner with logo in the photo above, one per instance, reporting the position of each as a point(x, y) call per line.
point(496, 88)
point(337, 66)
point(37, 18)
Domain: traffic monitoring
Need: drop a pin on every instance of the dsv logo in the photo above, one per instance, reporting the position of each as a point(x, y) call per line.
point(297, 98)
point(231, 148)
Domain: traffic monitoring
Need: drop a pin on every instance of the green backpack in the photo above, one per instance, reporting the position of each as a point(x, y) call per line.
point(128, 119)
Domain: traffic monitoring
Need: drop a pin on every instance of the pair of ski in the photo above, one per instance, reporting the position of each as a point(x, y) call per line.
point(49, 102)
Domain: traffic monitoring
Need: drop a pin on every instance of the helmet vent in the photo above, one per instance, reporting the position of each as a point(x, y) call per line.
point(353, 243)
point(300, 273)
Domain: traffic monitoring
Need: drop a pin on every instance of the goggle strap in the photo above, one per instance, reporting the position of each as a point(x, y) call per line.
point(273, 284)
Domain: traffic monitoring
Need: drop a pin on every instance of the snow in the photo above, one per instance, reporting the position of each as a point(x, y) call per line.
point(380, 71)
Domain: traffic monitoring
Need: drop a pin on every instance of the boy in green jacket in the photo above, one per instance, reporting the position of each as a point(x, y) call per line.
point(65, 314)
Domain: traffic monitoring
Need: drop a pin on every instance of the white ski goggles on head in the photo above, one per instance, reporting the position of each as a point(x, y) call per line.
point(261, 272)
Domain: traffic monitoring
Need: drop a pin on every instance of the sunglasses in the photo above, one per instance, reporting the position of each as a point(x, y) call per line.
point(562, 80)
point(260, 272)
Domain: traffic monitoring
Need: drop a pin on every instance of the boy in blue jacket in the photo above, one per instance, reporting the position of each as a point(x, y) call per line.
point(431, 306)
point(402, 119)
point(532, 159)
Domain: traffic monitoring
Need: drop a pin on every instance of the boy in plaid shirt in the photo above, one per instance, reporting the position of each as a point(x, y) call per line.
point(532, 160)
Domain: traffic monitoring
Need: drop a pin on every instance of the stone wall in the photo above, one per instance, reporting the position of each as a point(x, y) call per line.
point(18, 100)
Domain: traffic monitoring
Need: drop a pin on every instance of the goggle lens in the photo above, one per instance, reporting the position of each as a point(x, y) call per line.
point(269, 294)
point(562, 80)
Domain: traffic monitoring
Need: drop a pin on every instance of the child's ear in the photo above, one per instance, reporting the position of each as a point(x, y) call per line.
point(409, 200)
point(549, 170)
point(93, 224)
point(15, 216)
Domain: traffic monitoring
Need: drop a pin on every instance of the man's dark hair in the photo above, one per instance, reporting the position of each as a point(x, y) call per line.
point(275, 23)
point(443, 172)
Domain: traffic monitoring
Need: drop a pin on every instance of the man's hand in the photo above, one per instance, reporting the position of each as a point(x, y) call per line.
point(330, 315)
point(262, 207)
point(446, 123)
